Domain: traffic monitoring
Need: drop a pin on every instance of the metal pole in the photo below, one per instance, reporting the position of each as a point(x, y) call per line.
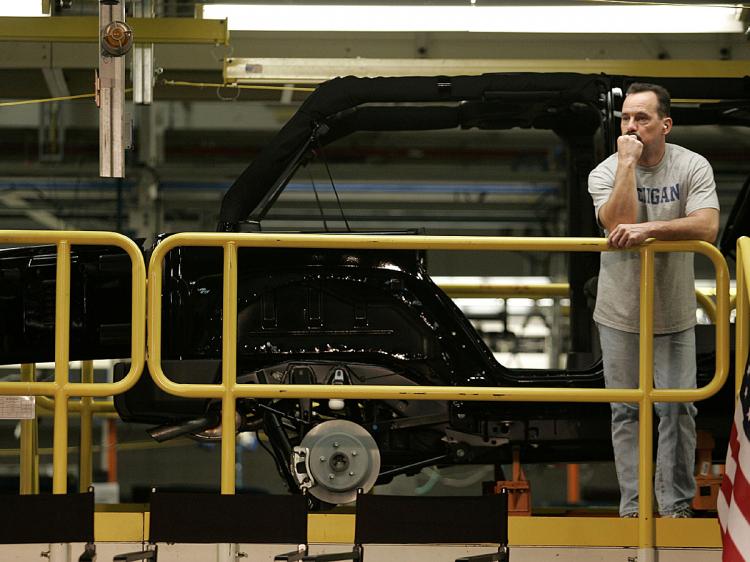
point(29, 469)
point(142, 67)
point(741, 318)
point(85, 468)
point(62, 340)
point(646, 523)
point(229, 372)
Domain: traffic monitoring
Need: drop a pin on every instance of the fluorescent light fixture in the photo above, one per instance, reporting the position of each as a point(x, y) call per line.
point(22, 8)
point(630, 19)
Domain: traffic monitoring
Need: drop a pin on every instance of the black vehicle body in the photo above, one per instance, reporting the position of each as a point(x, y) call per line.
point(363, 316)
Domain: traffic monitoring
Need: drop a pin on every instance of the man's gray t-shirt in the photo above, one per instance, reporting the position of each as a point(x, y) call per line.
point(680, 184)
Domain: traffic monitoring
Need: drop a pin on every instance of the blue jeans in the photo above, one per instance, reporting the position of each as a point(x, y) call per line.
point(674, 367)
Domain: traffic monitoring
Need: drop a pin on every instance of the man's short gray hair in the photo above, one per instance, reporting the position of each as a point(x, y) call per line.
point(662, 95)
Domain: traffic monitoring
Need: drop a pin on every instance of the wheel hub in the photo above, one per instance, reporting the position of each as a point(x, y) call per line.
point(335, 459)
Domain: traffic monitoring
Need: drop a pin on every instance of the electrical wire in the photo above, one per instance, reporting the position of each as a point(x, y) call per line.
point(280, 467)
point(322, 154)
point(283, 414)
point(165, 83)
point(317, 200)
point(45, 100)
point(235, 85)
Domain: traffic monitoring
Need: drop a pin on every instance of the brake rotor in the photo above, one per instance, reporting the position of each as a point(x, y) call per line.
point(339, 457)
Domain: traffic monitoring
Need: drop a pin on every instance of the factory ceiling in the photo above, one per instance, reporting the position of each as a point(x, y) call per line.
point(196, 136)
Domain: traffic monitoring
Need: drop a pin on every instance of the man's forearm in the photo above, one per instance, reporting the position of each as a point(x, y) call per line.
point(702, 224)
point(685, 228)
point(622, 206)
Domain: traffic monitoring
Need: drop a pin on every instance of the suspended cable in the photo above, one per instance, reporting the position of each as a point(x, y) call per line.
point(166, 83)
point(333, 185)
point(46, 100)
point(238, 86)
point(317, 199)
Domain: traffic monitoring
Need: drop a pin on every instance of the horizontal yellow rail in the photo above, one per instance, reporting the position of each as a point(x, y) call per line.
point(505, 291)
point(96, 407)
point(550, 290)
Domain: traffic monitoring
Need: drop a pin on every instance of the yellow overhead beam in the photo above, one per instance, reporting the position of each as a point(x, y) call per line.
point(85, 29)
point(314, 70)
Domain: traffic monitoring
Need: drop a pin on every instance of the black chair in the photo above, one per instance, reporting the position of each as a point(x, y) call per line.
point(201, 517)
point(406, 520)
point(49, 519)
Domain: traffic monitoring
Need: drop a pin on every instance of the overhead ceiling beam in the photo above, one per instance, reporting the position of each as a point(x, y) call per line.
point(315, 70)
point(84, 29)
point(39, 216)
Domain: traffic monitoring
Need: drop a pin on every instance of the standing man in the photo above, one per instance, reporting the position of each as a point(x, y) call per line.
point(651, 189)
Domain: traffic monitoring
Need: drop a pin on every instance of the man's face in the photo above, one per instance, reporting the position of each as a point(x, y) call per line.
point(640, 115)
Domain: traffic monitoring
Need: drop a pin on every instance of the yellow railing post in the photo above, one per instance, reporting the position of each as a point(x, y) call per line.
point(85, 468)
point(62, 351)
point(29, 465)
point(646, 526)
point(229, 370)
point(742, 318)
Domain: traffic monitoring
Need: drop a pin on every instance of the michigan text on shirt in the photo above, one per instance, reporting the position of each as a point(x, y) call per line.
point(658, 195)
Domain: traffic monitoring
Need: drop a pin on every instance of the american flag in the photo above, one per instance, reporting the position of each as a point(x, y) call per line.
point(734, 499)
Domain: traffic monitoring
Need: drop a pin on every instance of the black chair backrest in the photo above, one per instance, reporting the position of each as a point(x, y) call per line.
point(196, 517)
point(48, 518)
point(431, 520)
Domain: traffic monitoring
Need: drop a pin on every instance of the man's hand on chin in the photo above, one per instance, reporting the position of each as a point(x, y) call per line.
point(628, 235)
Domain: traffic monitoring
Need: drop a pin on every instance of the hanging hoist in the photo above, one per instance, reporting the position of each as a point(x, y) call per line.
point(115, 40)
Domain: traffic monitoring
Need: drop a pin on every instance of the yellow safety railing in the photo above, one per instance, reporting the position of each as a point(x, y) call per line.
point(551, 290)
point(742, 321)
point(229, 390)
point(61, 388)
